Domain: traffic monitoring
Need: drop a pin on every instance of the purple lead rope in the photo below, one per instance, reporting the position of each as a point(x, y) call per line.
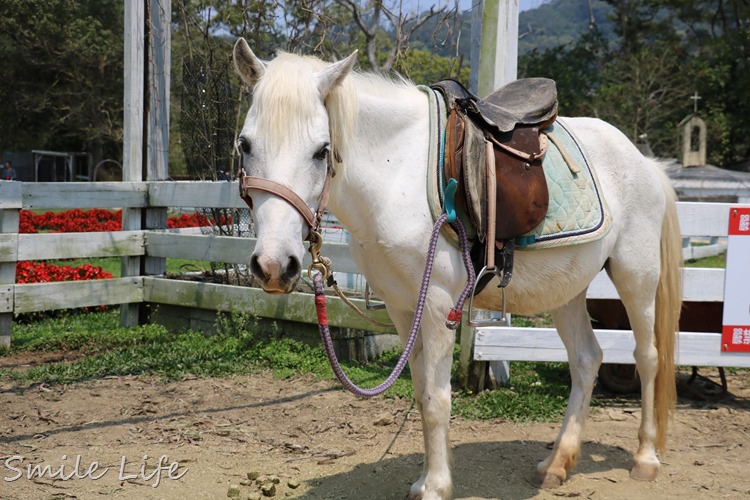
point(454, 318)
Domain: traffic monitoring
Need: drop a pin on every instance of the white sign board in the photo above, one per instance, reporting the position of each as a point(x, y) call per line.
point(735, 335)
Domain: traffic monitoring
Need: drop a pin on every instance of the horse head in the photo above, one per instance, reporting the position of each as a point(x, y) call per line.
point(285, 145)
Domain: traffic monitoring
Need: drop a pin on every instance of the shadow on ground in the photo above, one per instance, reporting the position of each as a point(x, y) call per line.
point(480, 470)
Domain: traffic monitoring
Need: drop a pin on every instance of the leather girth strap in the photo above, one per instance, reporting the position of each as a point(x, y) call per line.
point(494, 149)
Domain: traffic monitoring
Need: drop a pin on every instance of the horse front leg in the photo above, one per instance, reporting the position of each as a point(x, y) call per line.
point(430, 365)
point(584, 356)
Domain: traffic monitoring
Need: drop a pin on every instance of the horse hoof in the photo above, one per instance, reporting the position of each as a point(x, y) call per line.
point(549, 480)
point(417, 491)
point(425, 496)
point(645, 471)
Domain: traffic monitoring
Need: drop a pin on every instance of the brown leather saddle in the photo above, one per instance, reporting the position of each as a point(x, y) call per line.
point(494, 149)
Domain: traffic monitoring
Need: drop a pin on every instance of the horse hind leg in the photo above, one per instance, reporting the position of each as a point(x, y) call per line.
point(585, 356)
point(637, 284)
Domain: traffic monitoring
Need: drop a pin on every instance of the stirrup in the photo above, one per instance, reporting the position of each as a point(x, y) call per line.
point(502, 320)
point(369, 305)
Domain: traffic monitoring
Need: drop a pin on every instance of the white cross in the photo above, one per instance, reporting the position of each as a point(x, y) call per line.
point(695, 98)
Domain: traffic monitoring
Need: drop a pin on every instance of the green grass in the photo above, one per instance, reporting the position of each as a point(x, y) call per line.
point(103, 348)
point(538, 393)
point(113, 265)
point(716, 261)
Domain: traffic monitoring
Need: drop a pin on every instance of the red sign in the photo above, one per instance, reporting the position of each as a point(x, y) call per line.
point(739, 221)
point(735, 338)
point(735, 333)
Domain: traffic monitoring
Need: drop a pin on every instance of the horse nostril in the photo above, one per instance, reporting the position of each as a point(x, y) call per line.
point(293, 268)
point(256, 269)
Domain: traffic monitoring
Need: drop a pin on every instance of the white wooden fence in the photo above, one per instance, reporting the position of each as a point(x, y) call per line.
point(507, 343)
point(153, 243)
point(699, 285)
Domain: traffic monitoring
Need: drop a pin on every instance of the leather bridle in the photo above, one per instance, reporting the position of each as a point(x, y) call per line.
point(311, 218)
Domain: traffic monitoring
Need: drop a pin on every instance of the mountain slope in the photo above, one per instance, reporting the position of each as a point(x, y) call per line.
point(561, 22)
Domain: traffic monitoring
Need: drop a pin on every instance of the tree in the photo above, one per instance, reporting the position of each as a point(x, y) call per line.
point(422, 66)
point(62, 78)
point(643, 94)
point(577, 69)
point(383, 51)
point(717, 37)
point(663, 51)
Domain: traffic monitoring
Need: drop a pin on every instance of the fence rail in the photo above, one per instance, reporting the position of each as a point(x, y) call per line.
point(151, 243)
point(700, 285)
point(697, 220)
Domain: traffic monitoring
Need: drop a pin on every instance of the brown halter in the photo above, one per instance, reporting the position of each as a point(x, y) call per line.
point(248, 182)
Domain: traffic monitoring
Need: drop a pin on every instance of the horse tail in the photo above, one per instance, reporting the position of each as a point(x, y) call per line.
point(668, 307)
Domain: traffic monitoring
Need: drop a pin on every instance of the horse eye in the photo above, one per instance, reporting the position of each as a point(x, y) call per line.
point(244, 145)
point(322, 152)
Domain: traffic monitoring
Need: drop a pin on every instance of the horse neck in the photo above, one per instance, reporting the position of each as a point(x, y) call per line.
point(384, 172)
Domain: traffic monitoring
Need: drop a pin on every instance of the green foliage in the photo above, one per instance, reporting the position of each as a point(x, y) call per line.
point(657, 54)
point(577, 69)
point(636, 66)
point(62, 77)
point(423, 67)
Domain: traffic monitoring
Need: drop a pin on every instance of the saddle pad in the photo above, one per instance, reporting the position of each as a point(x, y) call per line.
point(436, 181)
point(577, 212)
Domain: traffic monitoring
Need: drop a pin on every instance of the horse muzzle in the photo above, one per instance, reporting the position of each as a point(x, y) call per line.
point(276, 275)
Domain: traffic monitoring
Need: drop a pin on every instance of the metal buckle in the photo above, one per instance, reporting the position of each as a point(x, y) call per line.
point(369, 305)
point(320, 264)
point(501, 321)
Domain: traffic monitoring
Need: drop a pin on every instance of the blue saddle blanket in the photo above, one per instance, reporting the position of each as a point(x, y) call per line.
point(577, 211)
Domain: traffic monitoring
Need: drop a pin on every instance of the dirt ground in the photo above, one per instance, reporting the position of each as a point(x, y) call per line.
point(321, 442)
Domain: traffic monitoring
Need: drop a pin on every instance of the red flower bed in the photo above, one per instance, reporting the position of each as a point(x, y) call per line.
point(42, 272)
point(193, 220)
point(72, 221)
point(77, 221)
point(97, 219)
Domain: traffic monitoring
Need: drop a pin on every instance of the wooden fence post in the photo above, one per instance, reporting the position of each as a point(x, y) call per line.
point(146, 127)
point(494, 62)
point(133, 133)
point(10, 210)
point(159, 75)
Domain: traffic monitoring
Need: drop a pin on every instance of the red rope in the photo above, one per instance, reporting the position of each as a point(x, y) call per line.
point(320, 308)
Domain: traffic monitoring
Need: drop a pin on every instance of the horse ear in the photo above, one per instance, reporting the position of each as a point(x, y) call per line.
point(334, 74)
point(246, 63)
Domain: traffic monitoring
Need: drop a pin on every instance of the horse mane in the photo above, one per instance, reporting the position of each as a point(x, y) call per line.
point(284, 106)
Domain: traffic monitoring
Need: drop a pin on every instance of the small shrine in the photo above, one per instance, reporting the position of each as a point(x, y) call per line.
point(693, 137)
point(693, 178)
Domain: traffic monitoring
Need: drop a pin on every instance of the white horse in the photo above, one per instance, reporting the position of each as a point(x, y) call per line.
point(304, 108)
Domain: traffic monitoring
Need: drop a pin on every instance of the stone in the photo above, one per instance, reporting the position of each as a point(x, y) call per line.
point(268, 490)
point(383, 420)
